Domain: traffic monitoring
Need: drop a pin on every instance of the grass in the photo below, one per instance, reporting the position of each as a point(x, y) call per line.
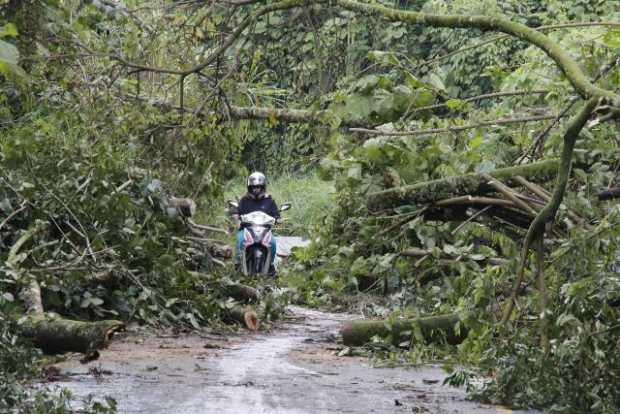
point(309, 196)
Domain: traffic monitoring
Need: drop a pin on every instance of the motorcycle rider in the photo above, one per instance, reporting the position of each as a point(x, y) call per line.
point(257, 199)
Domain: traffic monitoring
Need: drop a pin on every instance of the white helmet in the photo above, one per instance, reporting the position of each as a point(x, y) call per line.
point(257, 179)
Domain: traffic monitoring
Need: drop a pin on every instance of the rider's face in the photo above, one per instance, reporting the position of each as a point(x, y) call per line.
point(255, 190)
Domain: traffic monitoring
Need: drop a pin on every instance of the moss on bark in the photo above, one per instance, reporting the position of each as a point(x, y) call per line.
point(432, 328)
point(469, 184)
point(54, 334)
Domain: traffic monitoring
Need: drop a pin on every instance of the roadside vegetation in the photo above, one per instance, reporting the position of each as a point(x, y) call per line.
point(458, 168)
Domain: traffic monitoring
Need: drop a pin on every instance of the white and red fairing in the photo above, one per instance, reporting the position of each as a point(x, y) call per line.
point(260, 225)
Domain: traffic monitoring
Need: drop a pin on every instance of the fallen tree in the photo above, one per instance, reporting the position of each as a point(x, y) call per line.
point(242, 293)
point(429, 192)
point(246, 316)
point(54, 334)
point(49, 331)
point(432, 329)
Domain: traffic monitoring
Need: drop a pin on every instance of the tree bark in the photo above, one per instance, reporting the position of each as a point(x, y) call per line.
point(241, 293)
point(429, 192)
point(246, 316)
point(432, 328)
point(54, 334)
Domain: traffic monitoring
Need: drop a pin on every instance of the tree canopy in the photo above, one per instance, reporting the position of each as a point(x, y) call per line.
point(468, 142)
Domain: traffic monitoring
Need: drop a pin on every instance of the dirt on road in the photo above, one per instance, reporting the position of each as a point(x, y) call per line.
point(293, 369)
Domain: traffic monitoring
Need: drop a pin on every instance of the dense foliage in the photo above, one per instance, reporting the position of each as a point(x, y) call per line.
point(107, 112)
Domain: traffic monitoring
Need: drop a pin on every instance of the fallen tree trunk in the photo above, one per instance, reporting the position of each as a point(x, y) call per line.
point(54, 334)
point(241, 293)
point(246, 316)
point(429, 192)
point(50, 332)
point(432, 328)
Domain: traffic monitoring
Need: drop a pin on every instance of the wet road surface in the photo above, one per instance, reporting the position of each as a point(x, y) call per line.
point(291, 370)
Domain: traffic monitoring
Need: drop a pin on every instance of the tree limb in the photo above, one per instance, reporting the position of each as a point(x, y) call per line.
point(509, 194)
point(247, 22)
point(468, 184)
point(495, 39)
point(480, 98)
point(239, 113)
point(566, 64)
point(548, 213)
point(418, 132)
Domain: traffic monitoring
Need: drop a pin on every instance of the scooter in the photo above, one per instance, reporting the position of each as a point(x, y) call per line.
point(256, 250)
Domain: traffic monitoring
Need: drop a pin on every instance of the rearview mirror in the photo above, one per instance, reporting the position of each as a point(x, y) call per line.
point(232, 203)
point(285, 206)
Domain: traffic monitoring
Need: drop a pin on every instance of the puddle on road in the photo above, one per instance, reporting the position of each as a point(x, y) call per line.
point(288, 371)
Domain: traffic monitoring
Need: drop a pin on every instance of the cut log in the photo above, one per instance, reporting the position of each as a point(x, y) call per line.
point(241, 293)
point(432, 328)
point(246, 316)
point(48, 331)
point(54, 334)
point(429, 192)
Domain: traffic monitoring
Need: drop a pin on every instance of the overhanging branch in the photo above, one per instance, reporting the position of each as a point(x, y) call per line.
point(240, 113)
point(568, 66)
point(417, 132)
point(481, 98)
point(247, 22)
point(495, 39)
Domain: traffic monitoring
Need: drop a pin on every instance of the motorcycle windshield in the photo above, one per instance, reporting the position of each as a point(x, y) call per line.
point(258, 218)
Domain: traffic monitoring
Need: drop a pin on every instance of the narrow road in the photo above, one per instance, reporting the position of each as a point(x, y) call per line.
point(292, 370)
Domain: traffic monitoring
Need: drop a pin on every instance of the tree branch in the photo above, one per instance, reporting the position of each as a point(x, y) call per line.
point(256, 112)
point(480, 98)
point(248, 21)
point(548, 213)
point(455, 128)
point(566, 64)
point(496, 39)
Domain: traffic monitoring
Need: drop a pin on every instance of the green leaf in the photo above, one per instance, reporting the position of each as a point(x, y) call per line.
point(476, 142)
point(485, 166)
point(96, 301)
point(8, 53)
point(436, 82)
point(455, 104)
point(355, 172)
point(358, 106)
point(367, 83)
point(612, 39)
point(8, 30)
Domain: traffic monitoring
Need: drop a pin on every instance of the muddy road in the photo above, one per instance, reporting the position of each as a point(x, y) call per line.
point(292, 370)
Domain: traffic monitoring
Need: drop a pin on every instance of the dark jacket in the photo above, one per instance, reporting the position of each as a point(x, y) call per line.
point(264, 203)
